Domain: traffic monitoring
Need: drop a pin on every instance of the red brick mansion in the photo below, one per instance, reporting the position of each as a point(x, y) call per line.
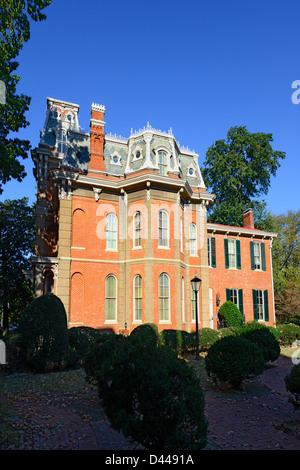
point(122, 229)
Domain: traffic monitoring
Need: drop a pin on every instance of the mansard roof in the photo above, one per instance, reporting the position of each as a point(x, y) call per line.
point(122, 156)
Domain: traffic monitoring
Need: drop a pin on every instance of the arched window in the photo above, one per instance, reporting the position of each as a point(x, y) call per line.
point(111, 231)
point(164, 297)
point(163, 228)
point(137, 299)
point(137, 229)
point(162, 163)
point(111, 298)
point(48, 283)
point(193, 239)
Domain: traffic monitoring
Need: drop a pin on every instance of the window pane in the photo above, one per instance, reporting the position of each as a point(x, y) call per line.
point(162, 163)
point(231, 253)
point(164, 294)
point(110, 298)
point(193, 239)
point(111, 232)
point(137, 298)
point(163, 228)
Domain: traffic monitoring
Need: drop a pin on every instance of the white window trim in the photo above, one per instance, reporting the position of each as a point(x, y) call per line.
point(134, 157)
point(115, 154)
point(106, 248)
point(135, 321)
point(163, 148)
point(196, 239)
point(262, 304)
point(169, 300)
point(260, 256)
point(116, 315)
point(232, 241)
point(133, 231)
point(164, 247)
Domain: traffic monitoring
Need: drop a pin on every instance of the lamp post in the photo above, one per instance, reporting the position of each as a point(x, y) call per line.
point(195, 282)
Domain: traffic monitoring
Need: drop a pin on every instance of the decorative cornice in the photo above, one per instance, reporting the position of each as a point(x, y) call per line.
point(133, 181)
point(226, 229)
point(98, 107)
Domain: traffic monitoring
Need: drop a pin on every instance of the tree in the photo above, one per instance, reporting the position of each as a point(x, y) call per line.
point(14, 32)
point(17, 228)
point(238, 170)
point(286, 264)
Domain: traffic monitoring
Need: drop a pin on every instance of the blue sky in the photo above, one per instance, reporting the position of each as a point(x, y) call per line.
point(198, 67)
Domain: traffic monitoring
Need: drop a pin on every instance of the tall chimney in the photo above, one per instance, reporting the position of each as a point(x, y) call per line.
point(248, 218)
point(97, 137)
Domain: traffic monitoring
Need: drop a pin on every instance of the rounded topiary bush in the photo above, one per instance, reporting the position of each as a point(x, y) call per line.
point(207, 337)
point(266, 341)
point(152, 396)
point(148, 332)
point(292, 385)
point(177, 340)
point(230, 314)
point(43, 328)
point(232, 359)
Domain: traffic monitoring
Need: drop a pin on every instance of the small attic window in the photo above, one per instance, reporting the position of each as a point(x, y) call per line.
point(69, 117)
point(137, 154)
point(191, 171)
point(115, 159)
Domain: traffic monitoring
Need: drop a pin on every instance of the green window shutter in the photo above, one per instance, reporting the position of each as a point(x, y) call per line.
point(266, 304)
point(241, 303)
point(213, 252)
point(255, 309)
point(263, 257)
point(252, 255)
point(226, 253)
point(228, 294)
point(238, 254)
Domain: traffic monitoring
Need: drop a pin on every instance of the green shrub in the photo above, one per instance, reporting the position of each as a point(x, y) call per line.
point(230, 314)
point(177, 340)
point(288, 333)
point(43, 328)
point(81, 337)
point(71, 359)
point(152, 396)
point(292, 385)
point(228, 331)
point(232, 359)
point(207, 337)
point(103, 348)
point(265, 340)
point(148, 332)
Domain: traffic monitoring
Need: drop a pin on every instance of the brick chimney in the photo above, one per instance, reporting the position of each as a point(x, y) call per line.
point(248, 218)
point(97, 137)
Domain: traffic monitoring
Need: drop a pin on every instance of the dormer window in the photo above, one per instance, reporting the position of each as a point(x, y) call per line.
point(115, 159)
point(162, 163)
point(137, 154)
point(191, 171)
